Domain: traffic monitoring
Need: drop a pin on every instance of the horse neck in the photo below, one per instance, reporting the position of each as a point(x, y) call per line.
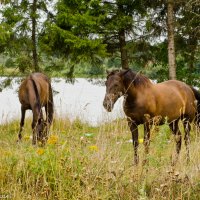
point(130, 90)
point(135, 85)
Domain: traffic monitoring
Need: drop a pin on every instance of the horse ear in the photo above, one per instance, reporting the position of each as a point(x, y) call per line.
point(124, 72)
point(107, 71)
point(112, 71)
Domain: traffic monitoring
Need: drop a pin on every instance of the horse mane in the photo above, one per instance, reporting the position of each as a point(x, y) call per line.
point(134, 78)
point(137, 79)
point(112, 72)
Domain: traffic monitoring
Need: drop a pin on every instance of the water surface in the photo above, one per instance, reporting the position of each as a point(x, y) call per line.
point(83, 99)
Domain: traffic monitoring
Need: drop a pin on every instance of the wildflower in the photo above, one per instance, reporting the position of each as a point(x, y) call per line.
point(82, 138)
point(40, 151)
point(140, 141)
point(93, 148)
point(26, 137)
point(53, 139)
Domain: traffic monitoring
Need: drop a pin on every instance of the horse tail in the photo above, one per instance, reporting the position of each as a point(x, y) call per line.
point(38, 104)
point(197, 96)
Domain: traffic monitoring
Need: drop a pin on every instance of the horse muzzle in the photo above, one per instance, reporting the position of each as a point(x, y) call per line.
point(108, 104)
point(108, 108)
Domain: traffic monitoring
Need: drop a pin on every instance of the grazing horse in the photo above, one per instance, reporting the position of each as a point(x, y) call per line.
point(34, 93)
point(146, 102)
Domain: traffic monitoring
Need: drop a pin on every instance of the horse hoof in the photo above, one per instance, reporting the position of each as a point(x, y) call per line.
point(144, 162)
point(18, 141)
point(136, 161)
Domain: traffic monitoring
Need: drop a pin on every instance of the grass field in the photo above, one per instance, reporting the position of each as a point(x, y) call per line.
point(84, 162)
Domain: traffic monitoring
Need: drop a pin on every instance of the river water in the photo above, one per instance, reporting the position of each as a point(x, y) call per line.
point(83, 99)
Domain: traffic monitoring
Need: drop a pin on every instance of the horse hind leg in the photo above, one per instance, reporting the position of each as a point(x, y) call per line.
point(178, 139)
point(34, 122)
point(23, 111)
point(146, 141)
point(197, 122)
point(49, 107)
point(146, 137)
point(49, 112)
point(35, 125)
point(49, 116)
point(40, 125)
point(187, 128)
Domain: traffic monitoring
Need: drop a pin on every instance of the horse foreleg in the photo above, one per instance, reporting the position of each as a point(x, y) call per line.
point(178, 139)
point(49, 112)
point(134, 130)
point(49, 116)
point(187, 128)
point(49, 108)
point(34, 140)
point(23, 111)
point(34, 124)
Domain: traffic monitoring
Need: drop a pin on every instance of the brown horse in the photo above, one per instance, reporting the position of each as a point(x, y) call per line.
point(146, 102)
point(34, 93)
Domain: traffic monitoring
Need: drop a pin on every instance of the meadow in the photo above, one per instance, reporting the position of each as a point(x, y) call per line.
point(85, 162)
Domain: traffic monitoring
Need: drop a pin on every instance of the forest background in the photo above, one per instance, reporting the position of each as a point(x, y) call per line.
point(83, 38)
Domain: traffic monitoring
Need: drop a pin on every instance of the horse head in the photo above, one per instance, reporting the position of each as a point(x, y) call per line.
point(114, 88)
point(41, 130)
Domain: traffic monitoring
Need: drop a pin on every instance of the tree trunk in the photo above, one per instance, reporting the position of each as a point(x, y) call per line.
point(193, 44)
point(122, 43)
point(34, 42)
point(171, 46)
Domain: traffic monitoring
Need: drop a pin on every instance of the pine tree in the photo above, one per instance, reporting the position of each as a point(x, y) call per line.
point(23, 17)
point(72, 33)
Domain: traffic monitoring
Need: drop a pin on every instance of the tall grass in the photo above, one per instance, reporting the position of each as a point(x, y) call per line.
point(85, 162)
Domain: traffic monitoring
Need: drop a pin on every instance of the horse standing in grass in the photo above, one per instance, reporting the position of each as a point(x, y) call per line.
point(146, 102)
point(34, 93)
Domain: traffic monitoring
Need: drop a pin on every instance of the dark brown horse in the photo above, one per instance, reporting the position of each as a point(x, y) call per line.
point(146, 102)
point(35, 92)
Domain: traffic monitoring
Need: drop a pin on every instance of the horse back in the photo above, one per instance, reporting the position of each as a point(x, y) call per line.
point(28, 94)
point(174, 98)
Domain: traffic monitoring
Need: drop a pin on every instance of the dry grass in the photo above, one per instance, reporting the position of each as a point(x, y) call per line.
point(84, 162)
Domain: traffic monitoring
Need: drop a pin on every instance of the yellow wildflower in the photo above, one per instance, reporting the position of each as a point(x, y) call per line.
point(93, 148)
point(26, 137)
point(141, 141)
point(40, 151)
point(53, 139)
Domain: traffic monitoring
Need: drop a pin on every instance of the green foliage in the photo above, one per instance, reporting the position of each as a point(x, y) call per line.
point(83, 36)
point(4, 36)
point(9, 63)
point(54, 65)
point(24, 63)
point(72, 33)
point(18, 17)
point(5, 83)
